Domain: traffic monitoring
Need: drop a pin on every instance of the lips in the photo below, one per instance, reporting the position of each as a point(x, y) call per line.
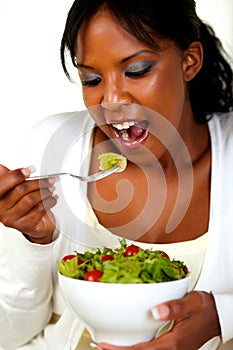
point(131, 134)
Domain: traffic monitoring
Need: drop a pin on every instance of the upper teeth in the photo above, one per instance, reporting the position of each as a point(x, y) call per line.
point(125, 125)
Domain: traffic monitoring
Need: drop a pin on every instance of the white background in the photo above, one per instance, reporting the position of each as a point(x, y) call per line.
point(32, 83)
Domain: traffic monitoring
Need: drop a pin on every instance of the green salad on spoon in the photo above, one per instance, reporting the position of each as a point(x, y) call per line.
point(109, 160)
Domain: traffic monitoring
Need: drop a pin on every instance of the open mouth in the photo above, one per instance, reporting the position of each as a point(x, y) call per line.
point(131, 133)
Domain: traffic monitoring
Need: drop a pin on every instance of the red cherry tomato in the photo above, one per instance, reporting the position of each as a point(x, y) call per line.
point(164, 255)
point(79, 260)
point(106, 257)
point(93, 275)
point(131, 250)
point(70, 257)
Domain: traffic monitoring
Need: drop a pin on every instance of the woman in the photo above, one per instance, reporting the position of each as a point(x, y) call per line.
point(158, 90)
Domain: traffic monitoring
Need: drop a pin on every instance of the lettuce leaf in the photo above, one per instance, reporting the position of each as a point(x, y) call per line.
point(109, 160)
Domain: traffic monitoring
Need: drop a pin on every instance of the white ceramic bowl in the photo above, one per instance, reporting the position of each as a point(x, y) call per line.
point(119, 314)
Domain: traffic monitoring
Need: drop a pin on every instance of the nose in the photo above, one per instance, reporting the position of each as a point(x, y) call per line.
point(115, 95)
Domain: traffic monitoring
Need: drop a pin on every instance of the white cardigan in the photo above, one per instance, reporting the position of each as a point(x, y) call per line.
point(29, 293)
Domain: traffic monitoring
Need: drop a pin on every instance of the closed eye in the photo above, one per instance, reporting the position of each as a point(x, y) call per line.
point(139, 69)
point(90, 79)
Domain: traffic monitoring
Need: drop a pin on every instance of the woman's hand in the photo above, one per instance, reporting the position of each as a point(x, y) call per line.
point(25, 205)
point(196, 321)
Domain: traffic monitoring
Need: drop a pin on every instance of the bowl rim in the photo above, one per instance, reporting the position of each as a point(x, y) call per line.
point(124, 284)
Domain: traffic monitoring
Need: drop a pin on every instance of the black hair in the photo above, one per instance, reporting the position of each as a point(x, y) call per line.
point(211, 90)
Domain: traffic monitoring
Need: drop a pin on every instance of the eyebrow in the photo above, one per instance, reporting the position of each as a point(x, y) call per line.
point(136, 54)
point(80, 65)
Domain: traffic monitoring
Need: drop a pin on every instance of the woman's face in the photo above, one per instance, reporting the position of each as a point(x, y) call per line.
point(130, 86)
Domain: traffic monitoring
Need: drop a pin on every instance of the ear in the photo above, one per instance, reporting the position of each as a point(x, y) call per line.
point(192, 60)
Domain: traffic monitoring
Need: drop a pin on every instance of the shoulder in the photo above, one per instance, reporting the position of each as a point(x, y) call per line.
point(226, 121)
point(61, 126)
point(65, 120)
point(58, 128)
point(221, 135)
point(221, 127)
point(50, 140)
point(222, 120)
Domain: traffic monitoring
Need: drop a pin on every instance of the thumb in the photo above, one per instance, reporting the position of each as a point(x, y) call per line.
point(3, 169)
point(180, 308)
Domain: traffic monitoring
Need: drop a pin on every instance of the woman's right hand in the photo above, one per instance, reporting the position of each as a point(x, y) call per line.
point(25, 205)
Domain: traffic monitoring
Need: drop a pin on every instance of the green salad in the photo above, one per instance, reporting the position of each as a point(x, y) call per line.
point(126, 264)
point(109, 160)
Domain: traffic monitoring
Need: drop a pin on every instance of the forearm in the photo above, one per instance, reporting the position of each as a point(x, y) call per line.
point(224, 305)
point(25, 288)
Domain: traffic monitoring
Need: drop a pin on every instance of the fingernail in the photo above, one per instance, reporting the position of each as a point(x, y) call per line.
point(95, 346)
point(52, 189)
point(55, 197)
point(163, 311)
point(32, 168)
point(28, 171)
point(155, 313)
point(160, 312)
point(53, 180)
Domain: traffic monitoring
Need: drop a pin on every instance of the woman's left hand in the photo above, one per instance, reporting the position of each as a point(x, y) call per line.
point(196, 321)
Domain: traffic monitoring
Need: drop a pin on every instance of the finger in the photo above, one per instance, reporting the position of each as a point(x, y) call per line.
point(43, 232)
point(27, 203)
point(10, 179)
point(24, 189)
point(33, 222)
point(181, 308)
point(33, 199)
point(3, 169)
point(140, 346)
point(106, 346)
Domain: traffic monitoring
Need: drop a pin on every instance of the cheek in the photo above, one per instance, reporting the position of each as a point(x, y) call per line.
point(165, 94)
point(90, 98)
